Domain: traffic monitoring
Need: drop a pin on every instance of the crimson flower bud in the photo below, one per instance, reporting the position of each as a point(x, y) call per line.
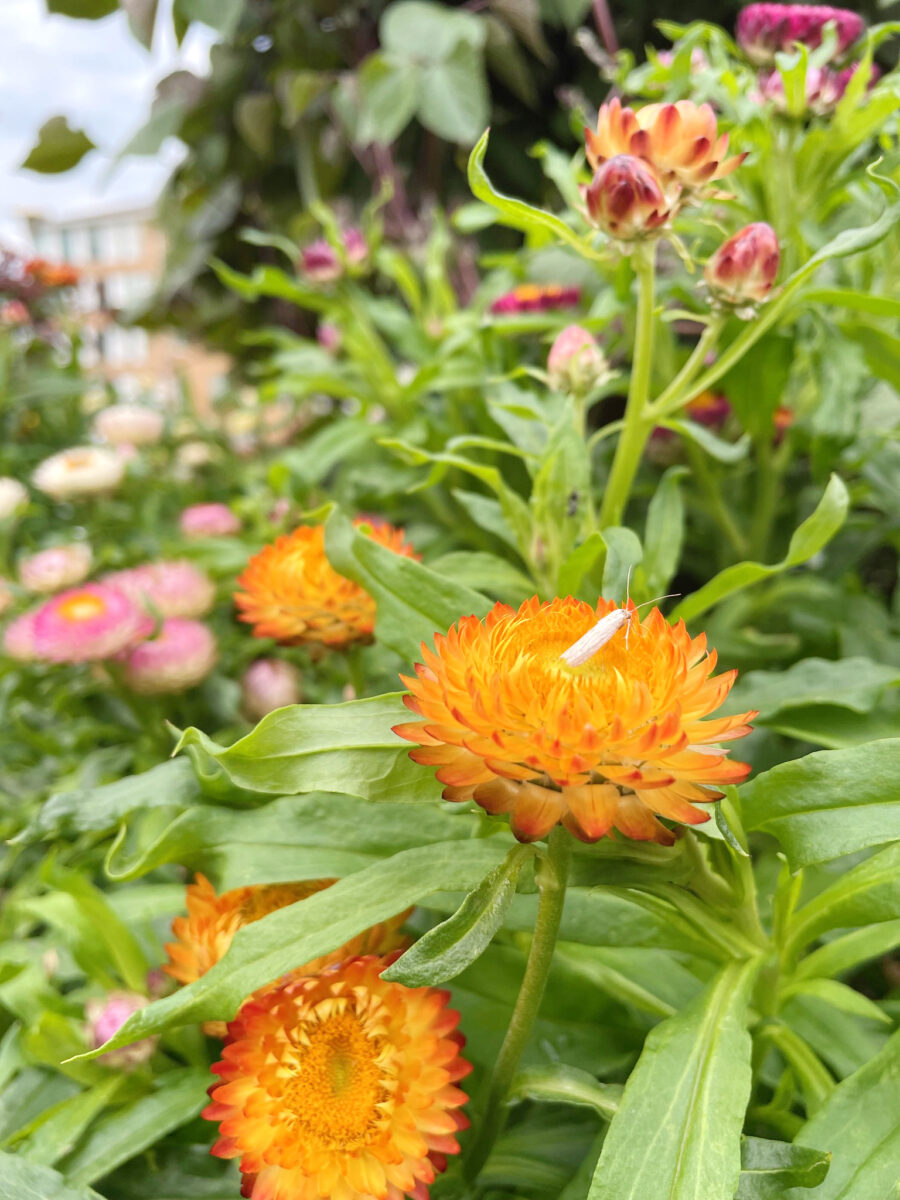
point(764, 29)
point(105, 1017)
point(626, 198)
point(575, 362)
point(743, 269)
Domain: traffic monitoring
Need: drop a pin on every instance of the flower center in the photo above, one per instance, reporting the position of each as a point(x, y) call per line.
point(334, 1094)
point(82, 607)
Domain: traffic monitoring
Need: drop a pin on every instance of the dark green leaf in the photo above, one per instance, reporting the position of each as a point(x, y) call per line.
point(255, 114)
point(413, 603)
point(677, 1133)
point(828, 803)
point(310, 928)
point(768, 1168)
point(848, 951)
point(88, 10)
point(58, 147)
point(867, 893)
point(808, 539)
point(560, 1084)
point(222, 15)
point(447, 949)
point(316, 747)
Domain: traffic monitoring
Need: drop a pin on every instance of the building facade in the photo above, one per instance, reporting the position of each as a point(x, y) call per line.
point(120, 257)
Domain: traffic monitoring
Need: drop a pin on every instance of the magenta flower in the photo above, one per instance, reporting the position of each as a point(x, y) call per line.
point(106, 1017)
point(55, 568)
point(87, 624)
point(208, 520)
point(269, 683)
point(180, 656)
point(167, 589)
point(536, 297)
point(320, 261)
point(764, 29)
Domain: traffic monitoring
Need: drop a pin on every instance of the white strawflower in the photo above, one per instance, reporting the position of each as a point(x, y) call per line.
point(79, 471)
point(12, 495)
point(129, 425)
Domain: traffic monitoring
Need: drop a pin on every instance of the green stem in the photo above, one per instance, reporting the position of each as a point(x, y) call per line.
point(551, 878)
point(767, 489)
point(677, 393)
point(637, 426)
point(716, 506)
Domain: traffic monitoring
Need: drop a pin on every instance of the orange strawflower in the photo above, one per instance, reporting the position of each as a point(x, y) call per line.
point(340, 1086)
point(292, 593)
point(603, 745)
point(680, 141)
point(206, 932)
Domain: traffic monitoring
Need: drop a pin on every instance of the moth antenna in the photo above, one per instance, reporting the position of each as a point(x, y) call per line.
point(628, 584)
point(668, 596)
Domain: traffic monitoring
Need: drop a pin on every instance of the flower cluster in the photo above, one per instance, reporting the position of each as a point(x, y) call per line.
point(321, 263)
point(536, 297)
point(291, 592)
point(614, 743)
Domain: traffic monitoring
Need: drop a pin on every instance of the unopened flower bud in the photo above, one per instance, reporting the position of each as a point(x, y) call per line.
point(106, 1017)
point(626, 198)
point(321, 262)
point(764, 29)
point(268, 684)
point(575, 362)
point(743, 269)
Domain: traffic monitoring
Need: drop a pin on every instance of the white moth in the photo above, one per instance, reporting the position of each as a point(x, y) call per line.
point(607, 627)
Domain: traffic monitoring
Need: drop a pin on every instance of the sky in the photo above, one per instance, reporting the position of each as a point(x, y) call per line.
point(103, 80)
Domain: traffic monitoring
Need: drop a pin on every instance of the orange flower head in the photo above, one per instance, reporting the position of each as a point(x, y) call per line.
point(340, 1086)
point(206, 932)
point(603, 745)
point(680, 141)
point(291, 592)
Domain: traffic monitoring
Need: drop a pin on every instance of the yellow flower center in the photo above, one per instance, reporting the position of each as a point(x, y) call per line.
point(84, 606)
point(339, 1081)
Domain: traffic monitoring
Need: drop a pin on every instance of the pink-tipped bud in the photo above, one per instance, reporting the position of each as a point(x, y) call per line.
point(328, 335)
point(106, 1017)
point(764, 29)
point(208, 520)
point(321, 262)
point(55, 568)
point(269, 683)
point(824, 87)
point(743, 269)
point(180, 656)
point(626, 198)
point(575, 362)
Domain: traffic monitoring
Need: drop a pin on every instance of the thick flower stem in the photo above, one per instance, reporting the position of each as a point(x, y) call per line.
point(637, 426)
point(551, 878)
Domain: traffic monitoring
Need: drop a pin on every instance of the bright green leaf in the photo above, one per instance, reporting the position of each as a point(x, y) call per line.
point(222, 15)
point(388, 99)
point(664, 531)
point(768, 1168)
point(24, 1180)
point(561, 1084)
point(58, 148)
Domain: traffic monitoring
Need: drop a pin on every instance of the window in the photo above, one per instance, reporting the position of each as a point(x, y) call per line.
point(79, 246)
point(47, 242)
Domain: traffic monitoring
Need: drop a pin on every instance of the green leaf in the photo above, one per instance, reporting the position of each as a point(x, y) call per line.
point(677, 1133)
point(454, 102)
point(389, 97)
point(623, 553)
point(560, 492)
point(447, 949)
point(270, 281)
point(255, 114)
point(648, 979)
point(516, 213)
point(853, 683)
point(310, 928)
point(418, 30)
point(347, 748)
point(66, 814)
point(495, 577)
point(768, 1168)
point(664, 531)
point(858, 1124)
point(840, 996)
point(829, 803)
point(86, 10)
point(578, 562)
point(58, 147)
point(295, 837)
point(715, 447)
point(560, 1084)
point(23, 1180)
point(178, 1097)
point(412, 602)
point(808, 539)
point(222, 15)
point(62, 1126)
point(866, 893)
point(848, 951)
point(881, 350)
point(164, 123)
point(867, 302)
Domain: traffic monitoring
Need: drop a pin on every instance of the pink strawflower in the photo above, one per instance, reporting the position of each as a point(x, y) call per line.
point(269, 683)
point(57, 567)
point(743, 270)
point(321, 262)
point(575, 362)
point(18, 637)
point(129, 425)
point(88, 623)
point(106, 1017)
point(536, 297)
point(14, 312)
point(167, 589)
point(7, 599)
point(208, 520)
point(824, 87)
point(180, 656)
point(328, 336)
point(764, 29)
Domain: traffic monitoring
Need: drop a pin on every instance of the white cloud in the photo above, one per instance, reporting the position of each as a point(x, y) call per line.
point(103, 80)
